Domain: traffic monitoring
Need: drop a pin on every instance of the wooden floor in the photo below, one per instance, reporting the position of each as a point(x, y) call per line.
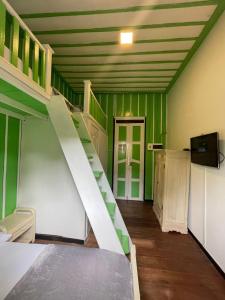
point(170, 265)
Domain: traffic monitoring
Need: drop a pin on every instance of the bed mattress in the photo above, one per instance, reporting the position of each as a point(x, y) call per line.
point(68, 272)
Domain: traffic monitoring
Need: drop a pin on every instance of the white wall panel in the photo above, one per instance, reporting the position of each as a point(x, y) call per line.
point(196, 106)
point(46, 183)
point(196, 212)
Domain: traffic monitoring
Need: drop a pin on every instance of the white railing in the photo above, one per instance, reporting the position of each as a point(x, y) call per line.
point(92, 106)
point(20, 48)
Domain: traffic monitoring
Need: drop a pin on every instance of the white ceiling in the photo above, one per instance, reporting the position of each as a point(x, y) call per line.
point(85, 38)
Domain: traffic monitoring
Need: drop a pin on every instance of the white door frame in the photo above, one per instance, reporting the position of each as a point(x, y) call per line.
point(142, 159)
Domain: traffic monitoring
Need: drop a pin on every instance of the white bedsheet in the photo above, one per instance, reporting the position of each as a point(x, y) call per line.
point(5, 237)
point(15, 260)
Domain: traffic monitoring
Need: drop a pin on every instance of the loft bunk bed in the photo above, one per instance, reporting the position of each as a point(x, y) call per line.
point(25, 67)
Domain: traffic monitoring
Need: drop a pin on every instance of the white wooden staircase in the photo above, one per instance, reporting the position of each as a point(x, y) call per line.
point(89, 177)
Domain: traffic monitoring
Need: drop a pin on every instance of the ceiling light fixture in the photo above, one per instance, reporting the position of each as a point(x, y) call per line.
point(126, 38)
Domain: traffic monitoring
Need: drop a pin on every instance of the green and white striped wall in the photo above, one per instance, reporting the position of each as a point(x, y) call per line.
point(9, 160)
point(152, 106)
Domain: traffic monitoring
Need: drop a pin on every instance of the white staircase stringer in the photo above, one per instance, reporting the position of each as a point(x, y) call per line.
point(96, 165)
point(82, 174)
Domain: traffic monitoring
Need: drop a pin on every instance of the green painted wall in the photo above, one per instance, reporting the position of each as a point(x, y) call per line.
point(12, 164)
point(59, 83)
point(148, 105)
point(2, 156)
point(9, 156)
point(97, 113)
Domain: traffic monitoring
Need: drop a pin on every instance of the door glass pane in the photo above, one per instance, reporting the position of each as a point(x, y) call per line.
point(136, 151)
point(121, 170)
point(122, 151)
point(122, 134)
point(135, 189)
point(136, 133)
point(120, 188)
point(135, 170)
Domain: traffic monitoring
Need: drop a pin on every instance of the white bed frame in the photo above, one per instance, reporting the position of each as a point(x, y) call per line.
point(20, 225)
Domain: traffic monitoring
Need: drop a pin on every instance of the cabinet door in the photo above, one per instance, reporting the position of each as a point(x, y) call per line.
point(159, 181)
point(176, 190)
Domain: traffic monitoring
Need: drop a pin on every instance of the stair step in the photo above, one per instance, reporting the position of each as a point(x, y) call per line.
point(76, 124)
point(85, 141)
point(125, 244)
point(111, 207)
point(75, 121)
point(119, 234)
point(91, 159)
point(97, 174)
point(104, 194)
point(124, 240)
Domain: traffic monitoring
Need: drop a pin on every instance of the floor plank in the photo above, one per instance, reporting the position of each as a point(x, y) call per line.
point(170, 265)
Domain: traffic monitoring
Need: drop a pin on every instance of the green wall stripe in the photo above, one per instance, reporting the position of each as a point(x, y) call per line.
point(149, 117)
point(2, 28)
point(2, 157)
point(164, 118)
point(119, 104)
point(110, 99)
point(113, 29)
point(115, 77)
point(119, 71)
point(157, 121)
point(153, 62)
point(134, 104)
point(215, 16)
point(103, 44)
point(94, 83)
point(149, 139)
point(132, 87)
point(123, 53)
point(142, 104)
point(127, 103)
point(119, 10)
point(12, 164)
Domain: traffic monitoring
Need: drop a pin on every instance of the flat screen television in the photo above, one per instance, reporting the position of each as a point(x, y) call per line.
point(205, 150)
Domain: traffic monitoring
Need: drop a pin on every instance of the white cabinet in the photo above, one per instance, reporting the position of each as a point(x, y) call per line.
point(171, 189)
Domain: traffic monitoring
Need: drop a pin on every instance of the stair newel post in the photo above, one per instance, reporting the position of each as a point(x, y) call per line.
point(87, 95)
point(48, 68)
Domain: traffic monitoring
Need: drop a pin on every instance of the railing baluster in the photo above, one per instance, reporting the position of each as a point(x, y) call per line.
point(43, 69)
point(35, 62)
point(2, 28)
point(15, 42)
point(26, 53)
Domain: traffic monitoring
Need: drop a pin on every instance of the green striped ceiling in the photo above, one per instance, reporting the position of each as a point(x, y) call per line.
point(85, 38)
